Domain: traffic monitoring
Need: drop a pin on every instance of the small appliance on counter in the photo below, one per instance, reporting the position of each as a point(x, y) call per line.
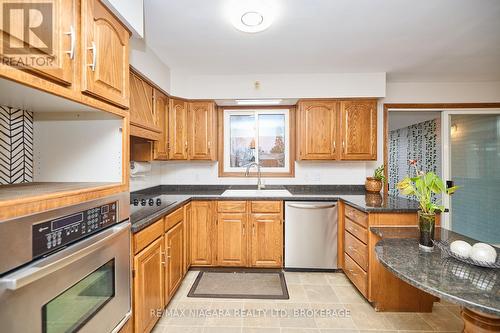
point(67, 269)
point(311, 235)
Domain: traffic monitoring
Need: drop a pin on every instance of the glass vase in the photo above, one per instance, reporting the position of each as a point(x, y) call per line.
point(426, 225)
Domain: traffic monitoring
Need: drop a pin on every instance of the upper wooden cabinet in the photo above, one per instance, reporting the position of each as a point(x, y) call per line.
point(337, 130)
point(144, 111)
point(359, 130)
point(160, 151)
point(317, 129)
point(65, 51)
point(105, 67)
point(178, 129)
point(202, 131)
point(231, 239)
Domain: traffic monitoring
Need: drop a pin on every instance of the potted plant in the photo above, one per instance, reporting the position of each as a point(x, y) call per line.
point(374, 184)
point(423, 186)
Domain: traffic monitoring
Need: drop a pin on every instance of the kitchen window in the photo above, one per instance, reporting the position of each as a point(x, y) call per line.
point(257, 135)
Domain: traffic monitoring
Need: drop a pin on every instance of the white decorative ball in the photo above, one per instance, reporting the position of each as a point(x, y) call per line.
point(461, 248)
point(484, 252)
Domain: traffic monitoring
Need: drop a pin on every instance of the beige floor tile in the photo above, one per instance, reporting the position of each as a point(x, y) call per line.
point(261, 330)
point(291, 315)
point(365, 318)
point(226, 314)
point(222, 330)
point(187, 313)
point(299, 330)
point(182, 329)
point(332, 316)
point(313, 278)
point(292, 278)
point(348, 294)
point(296, 293)
point(338, 279)
point(321, 294)
point(407, 321)
point(261, 315)
point(441, 319)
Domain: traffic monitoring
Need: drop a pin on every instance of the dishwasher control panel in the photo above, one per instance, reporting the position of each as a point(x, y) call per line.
point(54, 234)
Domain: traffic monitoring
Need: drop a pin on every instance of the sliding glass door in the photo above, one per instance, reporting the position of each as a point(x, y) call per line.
point(471, 156)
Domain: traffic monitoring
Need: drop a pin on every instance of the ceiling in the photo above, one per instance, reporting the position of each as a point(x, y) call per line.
point(429, 40)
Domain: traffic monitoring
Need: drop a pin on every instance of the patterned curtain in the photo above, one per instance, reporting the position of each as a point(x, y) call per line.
point(421, 142)
point(16, 145)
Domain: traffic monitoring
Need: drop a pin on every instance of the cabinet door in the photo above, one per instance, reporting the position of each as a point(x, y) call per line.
point(177, 122)
point(63, 52)
point(267, 240)
point(143, 111)
point(105, 50)
point(148, 285)
point(202, 233)
point(201, 136)
point(359, 130)
point(175, 253)
point(187, 237)
point(231, 239)
point(160, 151)
point(318, 129)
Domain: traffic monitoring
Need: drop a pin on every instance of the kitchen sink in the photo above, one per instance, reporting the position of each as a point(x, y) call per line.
point(256, 193)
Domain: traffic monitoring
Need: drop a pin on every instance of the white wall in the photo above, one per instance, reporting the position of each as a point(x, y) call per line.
point(130, 12)
point(147, 63)
point(278, 85)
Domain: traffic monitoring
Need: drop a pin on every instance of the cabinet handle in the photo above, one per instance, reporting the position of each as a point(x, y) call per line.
point(209, 145)
point(163, 258)
point(93, 49)
point(243, 230)
point(352, 272)
point(253, 229)
point(72, 37)
point(353, 249)
point(343, 146)
point(334, 146)
point(186, 146)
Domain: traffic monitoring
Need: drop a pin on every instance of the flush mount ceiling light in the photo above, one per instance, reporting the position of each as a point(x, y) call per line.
point(251, 18)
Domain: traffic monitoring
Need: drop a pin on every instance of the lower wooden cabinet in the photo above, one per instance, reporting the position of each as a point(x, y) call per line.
point(232, 239)
point(187, 237)
point(202, 233)
point(148, 285)
point(266, 247)
point(174, 265)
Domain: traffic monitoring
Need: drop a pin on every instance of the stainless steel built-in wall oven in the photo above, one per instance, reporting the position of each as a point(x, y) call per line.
point(67, 270)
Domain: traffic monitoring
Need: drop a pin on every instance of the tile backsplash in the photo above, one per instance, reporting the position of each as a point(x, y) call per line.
point(16, 145)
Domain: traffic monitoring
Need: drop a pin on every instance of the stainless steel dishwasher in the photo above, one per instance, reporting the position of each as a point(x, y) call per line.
point(310, 235)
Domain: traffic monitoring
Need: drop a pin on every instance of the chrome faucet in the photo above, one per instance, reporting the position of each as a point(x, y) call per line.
point(259, 174)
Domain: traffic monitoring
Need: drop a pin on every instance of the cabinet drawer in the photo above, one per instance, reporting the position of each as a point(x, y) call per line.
point(145, 237)
point(356, 230)
point(174, 218)
point(356, 275)
point(356, 250)
point(231, 206)
point(266, 206)
point(356, 216)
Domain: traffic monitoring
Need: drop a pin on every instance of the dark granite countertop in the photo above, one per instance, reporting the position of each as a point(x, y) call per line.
point(353, 195)
point(473, 287)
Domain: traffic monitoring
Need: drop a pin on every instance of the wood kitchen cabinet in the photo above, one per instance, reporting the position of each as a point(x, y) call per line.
point(174, 250)
point(266, 246)
point(148, 285)
point(143, 109)
point(187, 237)
point(317, 130)
point(232, 239)
point(359, 130)
point(65, 56)
point(203, 233)
point(105, 67)
point(337, 130)
point(178, 129)
point(160, 148)
point(202, 131)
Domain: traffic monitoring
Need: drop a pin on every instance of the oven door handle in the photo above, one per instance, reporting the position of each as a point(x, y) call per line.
point(311, 206)
point(38, 270)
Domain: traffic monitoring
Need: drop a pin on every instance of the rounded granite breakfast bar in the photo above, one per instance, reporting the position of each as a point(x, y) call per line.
point(476, 289)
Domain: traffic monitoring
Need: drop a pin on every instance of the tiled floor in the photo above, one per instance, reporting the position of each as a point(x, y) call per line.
point(339, 309)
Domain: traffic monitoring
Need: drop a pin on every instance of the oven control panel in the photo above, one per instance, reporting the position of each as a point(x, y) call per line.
point(53, 234)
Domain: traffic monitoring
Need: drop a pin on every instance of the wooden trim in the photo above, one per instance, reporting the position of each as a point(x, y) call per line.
point(422, 107)
point(292, 139)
